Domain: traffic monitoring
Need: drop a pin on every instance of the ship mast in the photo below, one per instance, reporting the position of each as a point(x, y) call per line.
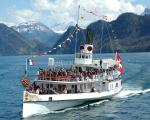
point(76, 28)
point(26, 69)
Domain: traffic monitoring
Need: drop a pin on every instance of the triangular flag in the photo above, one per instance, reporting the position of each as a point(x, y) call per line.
point(34, 56)
point(78, 29)
point(65, 42)
point(31, 62)
point(40, 54)
point(68, 39)
point(82, 17)
point(71, 36)
point(59, 45)
point(45, 53)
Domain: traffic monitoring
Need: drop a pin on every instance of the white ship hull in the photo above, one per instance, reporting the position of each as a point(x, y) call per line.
point(61, 101)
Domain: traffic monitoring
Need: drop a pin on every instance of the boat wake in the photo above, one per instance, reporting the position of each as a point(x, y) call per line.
point(131, 92)
point(80, 107)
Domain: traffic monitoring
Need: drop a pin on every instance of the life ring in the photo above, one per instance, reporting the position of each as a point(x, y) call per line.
point(89, 48)
point(81, 47)
point(25, 82)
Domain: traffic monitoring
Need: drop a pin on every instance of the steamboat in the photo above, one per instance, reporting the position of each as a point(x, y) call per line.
point(87, 79)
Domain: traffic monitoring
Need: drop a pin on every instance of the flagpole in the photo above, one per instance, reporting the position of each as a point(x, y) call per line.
point(26, 69)
point(77, 28)
point(78, 14)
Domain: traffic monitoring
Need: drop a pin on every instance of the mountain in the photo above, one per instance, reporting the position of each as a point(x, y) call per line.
point(128, 33)
point(146, 11)
point(37, 31)
point(13, 43)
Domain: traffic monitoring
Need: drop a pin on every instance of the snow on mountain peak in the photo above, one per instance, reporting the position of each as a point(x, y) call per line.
point(31, 26)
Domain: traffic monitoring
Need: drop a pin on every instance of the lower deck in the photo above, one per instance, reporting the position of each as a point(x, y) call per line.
point(68, 91)
point(63, 87)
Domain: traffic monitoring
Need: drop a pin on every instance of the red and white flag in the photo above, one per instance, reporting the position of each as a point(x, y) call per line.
point(121, 69)
point(31, 62)
point(118, 59)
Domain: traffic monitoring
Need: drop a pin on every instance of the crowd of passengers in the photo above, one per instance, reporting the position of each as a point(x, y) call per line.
point(36, 89)
point(65, 74)
point(69, 74)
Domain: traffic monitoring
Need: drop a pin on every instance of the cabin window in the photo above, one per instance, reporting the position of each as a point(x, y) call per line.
point(116, 84)
point(42, 86)
point(74, 88)
point(83, 56)
point(87, 57)
point(111, 86)
point(47, 86)
point(80, 86)
point(89, 85)
point(84, 86)
point(79, 56)
point(51, 85)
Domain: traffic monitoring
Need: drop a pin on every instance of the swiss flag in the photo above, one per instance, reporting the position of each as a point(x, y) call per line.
point(121, 69)
point(118, 59)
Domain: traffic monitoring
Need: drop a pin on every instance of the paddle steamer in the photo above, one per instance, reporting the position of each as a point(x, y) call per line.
point(88, 79)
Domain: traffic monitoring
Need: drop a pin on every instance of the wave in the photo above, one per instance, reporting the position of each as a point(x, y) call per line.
point(80, 107)
point(131, 92)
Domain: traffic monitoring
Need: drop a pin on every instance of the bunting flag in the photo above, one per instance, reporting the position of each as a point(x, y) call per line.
point(82, 17)
point(65, 42)
point(31, 62)
point(33, 56)
point(118, 59)
point(71, 36)
point(68, 40)
point(90, 12)
point(78, 29)
point(59, 45)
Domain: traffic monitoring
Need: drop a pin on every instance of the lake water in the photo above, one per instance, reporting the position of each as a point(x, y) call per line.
point(132, 103)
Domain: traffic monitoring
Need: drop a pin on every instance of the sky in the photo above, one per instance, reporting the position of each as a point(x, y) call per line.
point(59, 14)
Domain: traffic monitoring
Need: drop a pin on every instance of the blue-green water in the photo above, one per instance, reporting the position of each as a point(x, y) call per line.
point(132, 103)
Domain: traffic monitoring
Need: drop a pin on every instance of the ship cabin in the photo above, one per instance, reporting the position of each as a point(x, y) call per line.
point(85, 75)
